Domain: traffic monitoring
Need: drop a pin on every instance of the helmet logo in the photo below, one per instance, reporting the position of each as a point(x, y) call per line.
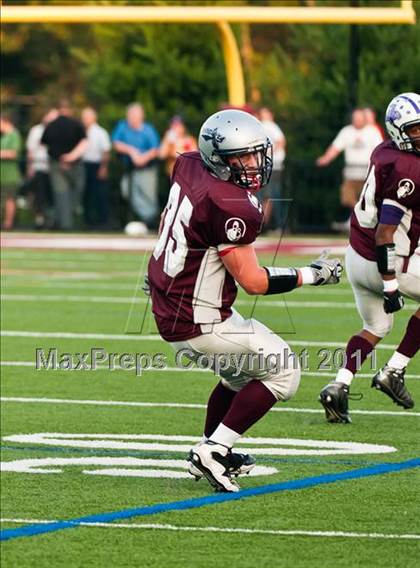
point(393, 113)
point(405, 188)
point(235, 229)
point(214, 136)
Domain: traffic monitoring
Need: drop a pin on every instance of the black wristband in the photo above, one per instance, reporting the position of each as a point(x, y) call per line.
point(281, 280)
point(385, 258)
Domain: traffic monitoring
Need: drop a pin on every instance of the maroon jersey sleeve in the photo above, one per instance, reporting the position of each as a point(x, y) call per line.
point(235, 220)
point(400, 182)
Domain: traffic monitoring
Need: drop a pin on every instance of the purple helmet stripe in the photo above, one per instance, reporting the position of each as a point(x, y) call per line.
point(416, 108)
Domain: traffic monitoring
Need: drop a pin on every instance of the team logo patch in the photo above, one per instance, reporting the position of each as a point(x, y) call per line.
point(405, 188)
point(235, 229)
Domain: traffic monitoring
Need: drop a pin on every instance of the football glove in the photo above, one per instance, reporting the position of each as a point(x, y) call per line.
point(393, 301)
point(326, 271)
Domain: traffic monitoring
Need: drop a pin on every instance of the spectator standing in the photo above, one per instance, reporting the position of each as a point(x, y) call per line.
point(272, 193)
point(65, 138)
point(138, 142)
point(38, 169)
point(95, 159)
point(357, 140)
point(10, 177)
point(176, 141)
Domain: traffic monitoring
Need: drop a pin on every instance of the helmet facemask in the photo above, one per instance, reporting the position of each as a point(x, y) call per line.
point(250, 177)
point(413, 142)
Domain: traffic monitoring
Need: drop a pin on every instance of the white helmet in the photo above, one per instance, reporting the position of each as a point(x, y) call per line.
point(236, 133)
point(403, 111)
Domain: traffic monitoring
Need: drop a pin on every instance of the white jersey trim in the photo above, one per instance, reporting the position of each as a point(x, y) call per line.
point(401, 239)
point(208, 289)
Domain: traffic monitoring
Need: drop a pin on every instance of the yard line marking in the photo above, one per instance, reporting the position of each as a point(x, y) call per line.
point(274, 532)
point(33, 529)
point(178, 370)
point(58, 256)
point(46, 283)
point(187, 405)
point(134, 300)
point(72, 285)
point(172, 443)
point(155, 337)
point(17, 364)
point(82, 275)
point(182, 370)
point(72, 263)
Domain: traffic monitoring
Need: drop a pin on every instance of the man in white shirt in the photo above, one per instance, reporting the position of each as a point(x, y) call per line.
point(38, 170)
point(271, 194)
point(357, 140)
point(95, 159)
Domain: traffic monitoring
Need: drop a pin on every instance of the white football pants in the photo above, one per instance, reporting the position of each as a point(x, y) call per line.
point(367, 285)
point(247, 350)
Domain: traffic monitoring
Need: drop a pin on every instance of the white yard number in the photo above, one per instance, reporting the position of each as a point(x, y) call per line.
point(365, 209)
point(175, 247)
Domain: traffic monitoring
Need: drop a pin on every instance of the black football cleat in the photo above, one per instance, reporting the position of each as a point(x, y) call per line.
point(212, 461)
point(334, 397)
point(238, 464)
point(391, 381)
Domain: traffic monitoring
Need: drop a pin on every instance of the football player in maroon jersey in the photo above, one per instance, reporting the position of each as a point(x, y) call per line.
point(205, 246)
point(383, 258)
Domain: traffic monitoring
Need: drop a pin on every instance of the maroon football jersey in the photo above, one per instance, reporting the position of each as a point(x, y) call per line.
point(203, 218)
point(391, 195)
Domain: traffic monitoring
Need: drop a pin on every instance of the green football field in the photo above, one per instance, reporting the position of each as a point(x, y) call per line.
point(106, 448)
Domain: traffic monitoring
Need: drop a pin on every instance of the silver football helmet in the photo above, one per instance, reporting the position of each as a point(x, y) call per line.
point(402, 112)
point(235, 134)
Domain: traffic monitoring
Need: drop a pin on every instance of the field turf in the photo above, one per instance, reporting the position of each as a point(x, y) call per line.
point(75, 301)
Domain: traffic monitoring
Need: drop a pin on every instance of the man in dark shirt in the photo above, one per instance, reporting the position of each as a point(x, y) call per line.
point(65, 138)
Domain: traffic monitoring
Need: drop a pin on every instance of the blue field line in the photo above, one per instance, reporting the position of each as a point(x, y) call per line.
point(293, 485)
point(99, 452)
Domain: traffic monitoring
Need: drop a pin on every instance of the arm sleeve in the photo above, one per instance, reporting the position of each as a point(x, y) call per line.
point(401, 189)
point(231, 228)
point(340, 141)
point(116, 135)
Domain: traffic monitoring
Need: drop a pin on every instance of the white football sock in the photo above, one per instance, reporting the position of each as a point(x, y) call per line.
point(344, 376)
point(224, 435)
point(398, 361)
